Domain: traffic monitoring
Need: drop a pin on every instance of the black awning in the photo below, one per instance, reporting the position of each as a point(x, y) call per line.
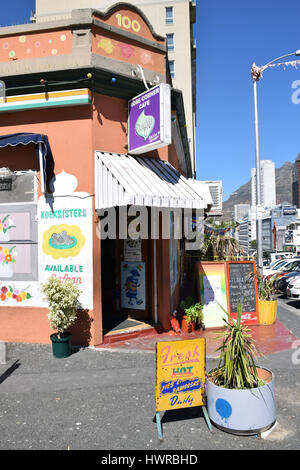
point(40, 142)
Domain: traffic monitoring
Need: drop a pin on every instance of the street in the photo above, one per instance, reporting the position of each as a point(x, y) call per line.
point(105, 400)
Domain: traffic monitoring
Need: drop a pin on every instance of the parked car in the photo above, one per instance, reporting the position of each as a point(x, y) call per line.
point(290, 266)
point(274, 269)
point(268, 269)
point(282, 283)
point(293, 290)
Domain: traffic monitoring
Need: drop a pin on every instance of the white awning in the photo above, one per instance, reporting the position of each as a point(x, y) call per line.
point(122, 180)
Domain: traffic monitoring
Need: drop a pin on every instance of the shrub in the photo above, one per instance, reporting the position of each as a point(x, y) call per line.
point(62, 298)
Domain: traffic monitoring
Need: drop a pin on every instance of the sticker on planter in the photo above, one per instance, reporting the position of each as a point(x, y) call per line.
point(224, 409)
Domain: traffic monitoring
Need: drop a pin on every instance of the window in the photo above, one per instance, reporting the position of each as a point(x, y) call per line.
point(18, 242)
point(172, 68)
point(23, 188)
point(170, 42)
point(18, 228)
point(169, 15)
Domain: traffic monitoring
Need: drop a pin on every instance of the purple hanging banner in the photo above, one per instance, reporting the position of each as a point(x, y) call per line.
point(149, 120)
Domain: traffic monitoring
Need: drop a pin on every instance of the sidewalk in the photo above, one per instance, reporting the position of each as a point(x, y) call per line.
point(269, 339)
point(103, 398)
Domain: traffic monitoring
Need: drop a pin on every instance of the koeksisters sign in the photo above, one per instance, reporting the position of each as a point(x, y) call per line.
point(149, 120)
point(65, 241)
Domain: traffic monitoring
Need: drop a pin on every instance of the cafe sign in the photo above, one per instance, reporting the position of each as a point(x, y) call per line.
point(149, 120)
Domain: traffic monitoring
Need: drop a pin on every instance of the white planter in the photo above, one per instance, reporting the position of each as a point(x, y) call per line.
point(6, 270)
point(246, 411)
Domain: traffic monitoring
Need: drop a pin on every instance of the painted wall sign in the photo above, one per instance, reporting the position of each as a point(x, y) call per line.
point(149, 120)
point(180, 374)
point(224, 283)
point(133, 291)
point(65, 240)
point(212, 292)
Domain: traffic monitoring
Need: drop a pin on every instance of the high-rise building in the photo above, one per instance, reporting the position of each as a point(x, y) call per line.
point(173, 19)
point(296, 182)
point(240, 211)
point(215, 189)
point(267, 184)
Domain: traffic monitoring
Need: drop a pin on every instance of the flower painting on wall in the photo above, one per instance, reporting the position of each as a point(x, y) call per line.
point(7, 258)
point(5, 225)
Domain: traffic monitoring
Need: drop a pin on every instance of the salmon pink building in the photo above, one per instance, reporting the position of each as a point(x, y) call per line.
point(93, 151)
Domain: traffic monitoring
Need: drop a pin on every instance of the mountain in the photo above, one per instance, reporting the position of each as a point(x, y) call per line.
point(284, 178)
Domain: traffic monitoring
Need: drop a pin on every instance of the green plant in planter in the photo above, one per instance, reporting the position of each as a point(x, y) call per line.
point(62, 298)
point(265, 288)
point(236, 368)
point(186, 303)
point(193, 311)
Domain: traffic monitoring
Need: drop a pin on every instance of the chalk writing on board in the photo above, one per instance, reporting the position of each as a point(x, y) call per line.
point(240, 285)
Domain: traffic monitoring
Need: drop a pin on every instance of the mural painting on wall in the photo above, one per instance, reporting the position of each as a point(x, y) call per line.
point(128, 49)
point(133, 293)
point(27, 46)
point(65, 238)
point(15, 261)
point(124, 51)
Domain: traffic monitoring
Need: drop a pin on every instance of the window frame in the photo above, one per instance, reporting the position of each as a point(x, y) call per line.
point(172, 71)
point(168, 36)
point(30, 208)
point(169, 20)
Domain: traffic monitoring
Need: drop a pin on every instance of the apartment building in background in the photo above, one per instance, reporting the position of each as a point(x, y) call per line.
point(216, 192)
point(240, 211)
point(173, 19)
point(268, 184)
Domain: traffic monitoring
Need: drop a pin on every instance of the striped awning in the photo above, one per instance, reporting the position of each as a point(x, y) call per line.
point(122, 180)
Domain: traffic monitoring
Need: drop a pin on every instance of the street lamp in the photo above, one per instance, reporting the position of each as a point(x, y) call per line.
point(256, 73)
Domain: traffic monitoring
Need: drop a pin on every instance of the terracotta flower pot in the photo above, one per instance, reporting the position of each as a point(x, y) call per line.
point(187, 327)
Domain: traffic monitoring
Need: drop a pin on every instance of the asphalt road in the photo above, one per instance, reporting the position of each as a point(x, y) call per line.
point(105, 401)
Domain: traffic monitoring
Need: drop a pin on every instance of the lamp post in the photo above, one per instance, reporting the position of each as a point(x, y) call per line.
point(256, 73)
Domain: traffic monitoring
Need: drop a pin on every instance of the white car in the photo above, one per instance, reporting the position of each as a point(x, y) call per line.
point(279, 267)
point(273, 265)
point(293, 289)
point(273, 269)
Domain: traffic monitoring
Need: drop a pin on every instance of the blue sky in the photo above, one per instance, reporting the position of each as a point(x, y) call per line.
point(230, 36)
point(16, 12)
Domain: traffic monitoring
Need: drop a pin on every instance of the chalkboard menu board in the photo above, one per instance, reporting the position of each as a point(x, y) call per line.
point(240, 284)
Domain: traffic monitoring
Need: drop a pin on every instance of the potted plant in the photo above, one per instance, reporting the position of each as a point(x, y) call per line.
point(62, 297)
point(267, 301)
point(240, 395)
point(192, 315)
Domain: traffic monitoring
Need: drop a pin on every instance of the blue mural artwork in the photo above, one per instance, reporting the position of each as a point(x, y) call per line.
point(133, 285)
point(223, 408)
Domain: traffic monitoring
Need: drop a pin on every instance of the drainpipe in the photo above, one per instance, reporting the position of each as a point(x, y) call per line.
point(155, 281)
point(41, 168)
